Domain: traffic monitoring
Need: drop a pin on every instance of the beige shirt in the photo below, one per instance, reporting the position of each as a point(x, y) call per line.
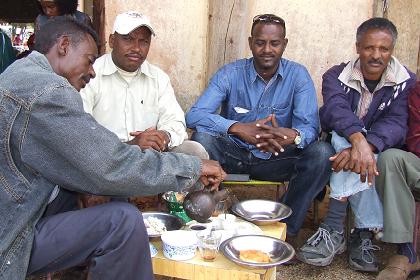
point(147, 100)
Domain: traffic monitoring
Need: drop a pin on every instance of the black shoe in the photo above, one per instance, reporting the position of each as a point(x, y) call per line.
point(361, 251)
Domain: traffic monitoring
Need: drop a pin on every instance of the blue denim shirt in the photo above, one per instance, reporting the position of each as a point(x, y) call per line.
point(243, 96)
point(47, 139)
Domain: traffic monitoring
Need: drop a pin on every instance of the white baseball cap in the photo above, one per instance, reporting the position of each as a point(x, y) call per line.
point(128, 21)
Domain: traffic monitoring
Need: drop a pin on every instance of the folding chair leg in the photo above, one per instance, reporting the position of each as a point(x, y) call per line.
point(316, 212)
point(349, 222)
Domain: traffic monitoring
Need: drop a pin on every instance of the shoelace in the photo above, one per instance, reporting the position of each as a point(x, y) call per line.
point(321, 234)
point(367, 248)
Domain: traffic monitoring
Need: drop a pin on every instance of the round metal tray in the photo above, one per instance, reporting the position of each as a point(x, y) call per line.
point(261, 212)
point(170, 221)
point(278, 250)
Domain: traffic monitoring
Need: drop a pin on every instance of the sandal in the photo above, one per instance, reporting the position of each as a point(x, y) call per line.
point(398, 268)
point(415, 268)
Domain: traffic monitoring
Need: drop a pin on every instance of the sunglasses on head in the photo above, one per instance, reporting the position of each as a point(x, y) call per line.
point(268, 18)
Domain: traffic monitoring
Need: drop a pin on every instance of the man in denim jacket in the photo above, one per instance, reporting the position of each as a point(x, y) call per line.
point(47, 140)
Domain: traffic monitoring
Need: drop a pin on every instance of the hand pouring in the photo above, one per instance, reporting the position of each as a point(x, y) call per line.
point(199, 205)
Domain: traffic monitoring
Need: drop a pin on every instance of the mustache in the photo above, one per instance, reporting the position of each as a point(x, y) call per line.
point(86, 78)
point(134, 53)
point(376, 61)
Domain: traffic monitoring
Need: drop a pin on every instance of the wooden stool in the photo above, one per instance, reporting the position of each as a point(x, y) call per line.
point(258, 183)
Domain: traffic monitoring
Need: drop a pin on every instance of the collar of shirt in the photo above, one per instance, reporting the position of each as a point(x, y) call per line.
point(253, 75)
point(352, 76)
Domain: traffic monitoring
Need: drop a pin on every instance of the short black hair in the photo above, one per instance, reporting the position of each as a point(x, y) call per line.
point(377, 23)
point(65, 7)
point(268, 19)
point(56, 27)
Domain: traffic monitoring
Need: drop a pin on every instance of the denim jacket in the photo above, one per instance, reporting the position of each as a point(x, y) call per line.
point(47, 139)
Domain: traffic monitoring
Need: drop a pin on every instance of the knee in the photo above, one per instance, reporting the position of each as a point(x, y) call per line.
point(196, 149)
point(206, 140)
point(390, 157)
point(321, 151)
point(201, 137)
point(127, 217)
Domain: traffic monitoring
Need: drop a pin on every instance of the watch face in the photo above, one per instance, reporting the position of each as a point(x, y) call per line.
point(297, 140)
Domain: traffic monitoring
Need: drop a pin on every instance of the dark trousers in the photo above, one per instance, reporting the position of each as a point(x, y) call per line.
point(111, 238)
point(307, 170)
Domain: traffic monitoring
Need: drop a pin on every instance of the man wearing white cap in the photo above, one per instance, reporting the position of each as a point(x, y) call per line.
point(133, 98)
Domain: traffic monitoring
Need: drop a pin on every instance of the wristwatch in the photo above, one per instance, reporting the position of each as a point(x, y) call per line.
point(297, 139)
point(168, 145)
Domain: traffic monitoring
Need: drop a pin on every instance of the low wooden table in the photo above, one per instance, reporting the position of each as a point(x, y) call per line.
point(221, 268)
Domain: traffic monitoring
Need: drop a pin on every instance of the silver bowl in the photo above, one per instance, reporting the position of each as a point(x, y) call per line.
point(278, 250)
point(262, 212)
point(170, 221)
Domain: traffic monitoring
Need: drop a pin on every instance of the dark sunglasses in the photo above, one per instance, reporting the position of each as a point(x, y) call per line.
point(268, 18)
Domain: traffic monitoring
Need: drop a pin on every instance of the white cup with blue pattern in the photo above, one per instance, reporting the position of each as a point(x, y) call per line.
point(179, 245)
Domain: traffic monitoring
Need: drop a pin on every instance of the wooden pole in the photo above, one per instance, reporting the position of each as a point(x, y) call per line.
point(377, 10)
point(99, 23)
point(227, 34)
point(418, 61)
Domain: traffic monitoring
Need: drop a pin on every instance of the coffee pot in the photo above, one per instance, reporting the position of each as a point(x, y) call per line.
point(199, 205)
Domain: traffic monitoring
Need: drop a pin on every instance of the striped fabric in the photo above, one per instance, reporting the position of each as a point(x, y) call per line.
point(366, 96)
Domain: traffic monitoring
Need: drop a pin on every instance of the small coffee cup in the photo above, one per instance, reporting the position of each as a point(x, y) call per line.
point(198, 227)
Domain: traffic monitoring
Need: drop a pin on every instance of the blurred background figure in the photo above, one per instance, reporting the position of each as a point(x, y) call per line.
point(7, 52)
point(30, 43)
point(52, 8)
point(17, 41)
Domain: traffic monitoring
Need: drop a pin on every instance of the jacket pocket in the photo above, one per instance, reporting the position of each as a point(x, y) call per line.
point(12, 181)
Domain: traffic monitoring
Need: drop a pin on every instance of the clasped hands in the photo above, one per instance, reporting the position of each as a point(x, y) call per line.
point(267, 138)
point(359, 158)
point(150, 138)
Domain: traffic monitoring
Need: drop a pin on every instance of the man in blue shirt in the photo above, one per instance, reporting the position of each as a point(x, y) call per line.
point(268, 124)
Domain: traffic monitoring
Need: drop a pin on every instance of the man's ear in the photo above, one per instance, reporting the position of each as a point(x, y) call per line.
point(63, 44)
point(285, 43)
point(357, 47)
point(111, 41)
point(250, 42)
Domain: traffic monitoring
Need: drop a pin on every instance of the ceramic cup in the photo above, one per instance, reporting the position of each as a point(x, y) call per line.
point(179, 245)
point(228, 222)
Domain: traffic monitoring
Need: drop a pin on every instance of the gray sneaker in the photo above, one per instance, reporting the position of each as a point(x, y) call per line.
point(321, 247)
point(361, 251)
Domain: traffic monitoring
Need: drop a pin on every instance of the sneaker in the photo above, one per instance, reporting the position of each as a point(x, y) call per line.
point(361, 251)
point(321, 247)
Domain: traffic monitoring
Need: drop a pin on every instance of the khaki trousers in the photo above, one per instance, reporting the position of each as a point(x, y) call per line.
point(399, 174)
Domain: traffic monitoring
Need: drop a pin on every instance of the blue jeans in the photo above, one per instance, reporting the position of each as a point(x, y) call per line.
point(307, 170)
point(364, 200)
